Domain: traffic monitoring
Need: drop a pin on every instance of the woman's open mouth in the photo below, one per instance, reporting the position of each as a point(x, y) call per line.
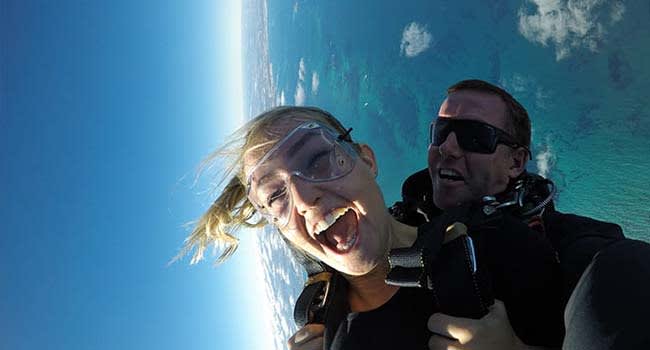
point(338, 231)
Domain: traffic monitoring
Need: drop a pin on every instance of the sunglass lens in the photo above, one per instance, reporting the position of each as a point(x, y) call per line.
point(439, 131)
point(475, 137)
point(472, 136)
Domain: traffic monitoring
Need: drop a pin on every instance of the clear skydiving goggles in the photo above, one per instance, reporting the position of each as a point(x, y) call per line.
point(311, 152)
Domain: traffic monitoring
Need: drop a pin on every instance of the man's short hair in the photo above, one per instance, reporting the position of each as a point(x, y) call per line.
point(518, 122)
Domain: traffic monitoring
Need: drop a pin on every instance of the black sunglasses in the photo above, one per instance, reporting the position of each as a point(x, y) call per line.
point(472, 135)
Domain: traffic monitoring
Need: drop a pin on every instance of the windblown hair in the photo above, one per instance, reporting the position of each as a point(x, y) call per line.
point(232, 209)
point(517, 116)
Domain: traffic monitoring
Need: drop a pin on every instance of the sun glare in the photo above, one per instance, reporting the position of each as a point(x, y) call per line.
point(260, 306)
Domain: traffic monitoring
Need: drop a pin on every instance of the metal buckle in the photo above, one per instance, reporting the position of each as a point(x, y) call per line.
point(321, 277)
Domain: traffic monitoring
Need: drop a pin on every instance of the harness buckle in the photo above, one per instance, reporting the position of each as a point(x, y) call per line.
point(321, 298)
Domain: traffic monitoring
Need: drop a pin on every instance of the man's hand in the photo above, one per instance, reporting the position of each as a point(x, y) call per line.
point(309, 337)
point(493, 331)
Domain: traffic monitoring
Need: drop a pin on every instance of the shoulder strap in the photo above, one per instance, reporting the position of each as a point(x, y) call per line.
point(408, 266)
point(324, 298)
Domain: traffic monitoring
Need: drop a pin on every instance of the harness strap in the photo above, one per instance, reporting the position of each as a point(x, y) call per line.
point(443, 259)
point(315, 295)
point(324, 301)
point(324, 298)
point(409, 267)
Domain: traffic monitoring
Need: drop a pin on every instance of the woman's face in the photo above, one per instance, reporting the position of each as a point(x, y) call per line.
point(323, 197)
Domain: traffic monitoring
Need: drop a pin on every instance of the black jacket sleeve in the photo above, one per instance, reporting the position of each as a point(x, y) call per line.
point(576, 240)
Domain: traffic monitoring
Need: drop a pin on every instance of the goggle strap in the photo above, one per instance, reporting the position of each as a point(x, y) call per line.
point(346, 136)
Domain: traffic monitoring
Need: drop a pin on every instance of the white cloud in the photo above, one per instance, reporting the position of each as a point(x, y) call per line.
point(415, 40)
point(567, 24)
point(517, 84)
point(271, 73)
point(315, 82)
point(542, 163)
point(299, 97)
point(283, 278)
point(282, 274)
point(526, 88)
point(301, 70)
point(545, 161)
point(618, 9)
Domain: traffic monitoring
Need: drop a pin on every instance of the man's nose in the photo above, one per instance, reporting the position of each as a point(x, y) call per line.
point(450, 148)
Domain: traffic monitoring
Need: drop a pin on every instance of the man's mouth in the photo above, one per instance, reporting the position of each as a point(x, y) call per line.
point(338, 231)
point(450, 175)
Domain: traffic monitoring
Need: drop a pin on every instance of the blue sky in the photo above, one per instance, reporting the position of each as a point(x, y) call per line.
point(106, 109)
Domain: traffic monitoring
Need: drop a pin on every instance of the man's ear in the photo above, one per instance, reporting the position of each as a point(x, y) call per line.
point(518, 157)
point(368, 156)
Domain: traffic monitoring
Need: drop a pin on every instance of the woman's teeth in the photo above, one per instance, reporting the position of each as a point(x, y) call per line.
point(329, 220)
point(340, 238)
point(343, 246)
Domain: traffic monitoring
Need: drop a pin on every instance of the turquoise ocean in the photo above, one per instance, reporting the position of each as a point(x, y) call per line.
point(580, 67)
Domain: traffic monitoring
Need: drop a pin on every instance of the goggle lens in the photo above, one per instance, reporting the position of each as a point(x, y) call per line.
point(311, 152)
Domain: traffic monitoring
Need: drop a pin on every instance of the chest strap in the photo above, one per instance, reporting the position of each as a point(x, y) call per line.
point(443, 259)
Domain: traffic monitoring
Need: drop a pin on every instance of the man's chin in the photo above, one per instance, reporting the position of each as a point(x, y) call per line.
point(445, 203)
point(445, 200)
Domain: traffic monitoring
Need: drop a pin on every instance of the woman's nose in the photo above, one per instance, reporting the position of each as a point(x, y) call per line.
point(305, 194)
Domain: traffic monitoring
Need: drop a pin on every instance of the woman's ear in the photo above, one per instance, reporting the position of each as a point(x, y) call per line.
point(368, 156)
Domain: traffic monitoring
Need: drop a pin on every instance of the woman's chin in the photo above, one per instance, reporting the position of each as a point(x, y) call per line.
point(360, 267)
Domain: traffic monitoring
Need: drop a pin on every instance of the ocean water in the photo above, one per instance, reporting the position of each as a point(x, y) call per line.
point(580, 67)
point(585, 83)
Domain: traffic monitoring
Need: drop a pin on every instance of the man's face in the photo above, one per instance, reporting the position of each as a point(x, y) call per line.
point(460, 176)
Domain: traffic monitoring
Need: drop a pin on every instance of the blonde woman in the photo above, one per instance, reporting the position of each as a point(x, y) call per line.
point(298, 169)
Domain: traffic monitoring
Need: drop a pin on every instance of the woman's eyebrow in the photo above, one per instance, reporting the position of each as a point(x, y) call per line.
point(298, 144)
point(264, 179)
point(293, 149)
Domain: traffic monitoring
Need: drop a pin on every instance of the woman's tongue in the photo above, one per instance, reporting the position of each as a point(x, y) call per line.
point(342, 234)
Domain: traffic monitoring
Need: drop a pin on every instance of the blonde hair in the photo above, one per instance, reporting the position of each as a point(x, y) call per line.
point(232, 209)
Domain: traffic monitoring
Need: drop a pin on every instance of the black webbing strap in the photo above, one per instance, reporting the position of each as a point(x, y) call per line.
point(311, 296)
point(314, 295)
point(409, 266)
point(324, 298)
